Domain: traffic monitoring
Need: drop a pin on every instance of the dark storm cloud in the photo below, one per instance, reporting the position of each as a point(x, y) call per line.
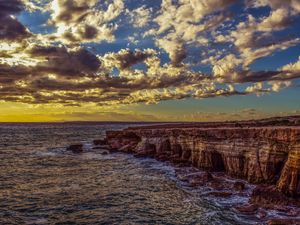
point(11, 28)
point(60, 61)
point(10, 7)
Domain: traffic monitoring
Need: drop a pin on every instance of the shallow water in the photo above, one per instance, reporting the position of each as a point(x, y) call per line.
point(42, 183)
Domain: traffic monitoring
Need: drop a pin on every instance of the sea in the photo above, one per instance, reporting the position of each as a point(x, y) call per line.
point(43, 183)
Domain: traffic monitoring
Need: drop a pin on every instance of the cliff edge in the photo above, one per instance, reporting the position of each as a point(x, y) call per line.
point(261, 155)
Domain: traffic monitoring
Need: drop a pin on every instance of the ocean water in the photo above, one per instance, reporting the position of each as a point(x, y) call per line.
point(42, 183)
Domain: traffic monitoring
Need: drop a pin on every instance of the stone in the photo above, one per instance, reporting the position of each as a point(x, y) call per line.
point(100, 142)
point(76, 148)
point(261, 214)
point(247, 209)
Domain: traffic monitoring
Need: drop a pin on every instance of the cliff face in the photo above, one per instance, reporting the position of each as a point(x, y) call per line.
point(260, 155)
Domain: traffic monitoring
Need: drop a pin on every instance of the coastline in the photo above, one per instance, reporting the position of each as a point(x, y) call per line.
point(267, 157)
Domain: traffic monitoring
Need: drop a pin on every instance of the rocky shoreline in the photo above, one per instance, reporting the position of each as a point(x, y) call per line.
point(267, 157)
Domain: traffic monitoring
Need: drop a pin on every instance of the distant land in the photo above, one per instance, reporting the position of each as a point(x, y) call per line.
point(293, 120)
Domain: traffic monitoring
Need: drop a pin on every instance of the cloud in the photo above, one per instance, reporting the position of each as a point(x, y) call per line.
point(292, 67)
point(175, 49)
point(181, 23)
point(68, 63)
point(275, 4)
point(140, 17)
point(9, 74)
point(277, 20)
point(209, 55)
point(81, 21)
point(10, 28)
point(226, 66)
point(126, 58)
point(278, 85)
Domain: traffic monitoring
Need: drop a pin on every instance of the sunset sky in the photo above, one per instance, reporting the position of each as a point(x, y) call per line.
point(148, 60)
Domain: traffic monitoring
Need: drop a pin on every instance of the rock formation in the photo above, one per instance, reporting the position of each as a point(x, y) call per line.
point(261, 155)
point(75, 148)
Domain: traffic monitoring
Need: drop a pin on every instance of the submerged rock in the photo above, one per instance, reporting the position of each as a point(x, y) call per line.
point(100, 142)
point(75, 148)
point(105, 153)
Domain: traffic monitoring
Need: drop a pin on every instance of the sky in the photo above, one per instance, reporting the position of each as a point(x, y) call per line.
point(158, 60)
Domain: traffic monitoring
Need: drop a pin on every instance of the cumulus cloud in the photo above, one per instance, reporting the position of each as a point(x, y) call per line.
point(182, 23)
point(140, 17)
point(278, 85)
point(275, 4)
point(292, 67)
point(82, 21)
point(175, 49)
point(126, 58)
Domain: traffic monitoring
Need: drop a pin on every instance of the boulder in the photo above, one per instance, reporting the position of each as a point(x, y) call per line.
point(75, 148)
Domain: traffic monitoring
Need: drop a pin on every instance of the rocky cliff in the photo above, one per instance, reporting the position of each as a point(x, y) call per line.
point(264, 155)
